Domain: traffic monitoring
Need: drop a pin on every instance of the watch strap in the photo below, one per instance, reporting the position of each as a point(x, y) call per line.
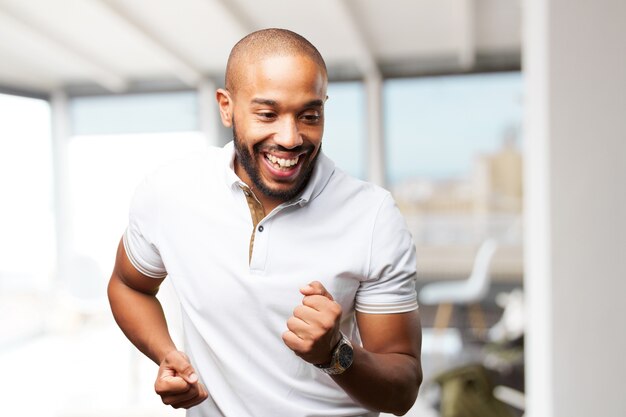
point(341, 358)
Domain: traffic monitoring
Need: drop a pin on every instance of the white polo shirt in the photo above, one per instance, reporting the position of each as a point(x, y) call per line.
point(190, 220)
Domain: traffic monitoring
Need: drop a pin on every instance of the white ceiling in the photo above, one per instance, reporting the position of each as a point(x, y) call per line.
point(117, 44)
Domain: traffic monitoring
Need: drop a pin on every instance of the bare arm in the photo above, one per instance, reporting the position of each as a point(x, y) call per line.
point(139, 314)
point(386, 372)
point(136, 309)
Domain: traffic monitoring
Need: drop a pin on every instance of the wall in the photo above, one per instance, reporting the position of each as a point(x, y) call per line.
point(575, 69)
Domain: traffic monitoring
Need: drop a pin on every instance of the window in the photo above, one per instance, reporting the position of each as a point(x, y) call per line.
point(135, 113)
point(454, 164)
point(27, 248)
point(344, 133)
point(435, 126)
point(117, 141)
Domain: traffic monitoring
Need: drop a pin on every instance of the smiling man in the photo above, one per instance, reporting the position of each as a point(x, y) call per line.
point(296, 281)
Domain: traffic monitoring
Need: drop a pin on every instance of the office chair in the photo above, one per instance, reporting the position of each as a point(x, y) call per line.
point(466, 292)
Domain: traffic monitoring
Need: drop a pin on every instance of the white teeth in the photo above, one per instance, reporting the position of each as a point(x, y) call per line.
point(283, 163)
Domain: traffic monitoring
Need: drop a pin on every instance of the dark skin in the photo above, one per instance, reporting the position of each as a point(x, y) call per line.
point(386, 372)
point(139, 314)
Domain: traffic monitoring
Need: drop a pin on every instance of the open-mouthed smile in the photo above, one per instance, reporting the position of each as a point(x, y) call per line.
point(282, 165)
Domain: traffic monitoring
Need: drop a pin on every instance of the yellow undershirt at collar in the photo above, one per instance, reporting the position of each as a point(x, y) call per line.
point(256, 212)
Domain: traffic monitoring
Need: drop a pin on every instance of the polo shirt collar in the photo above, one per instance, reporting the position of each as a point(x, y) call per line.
point(228, 153)
point(323, 170)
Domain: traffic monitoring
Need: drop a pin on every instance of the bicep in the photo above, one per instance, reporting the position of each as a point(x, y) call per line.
point(391, 333)
point(126, 274)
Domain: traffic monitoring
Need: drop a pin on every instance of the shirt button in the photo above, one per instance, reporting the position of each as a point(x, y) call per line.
point(260, 229)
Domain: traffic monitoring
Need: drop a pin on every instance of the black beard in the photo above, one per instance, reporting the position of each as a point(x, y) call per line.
point(249, 164)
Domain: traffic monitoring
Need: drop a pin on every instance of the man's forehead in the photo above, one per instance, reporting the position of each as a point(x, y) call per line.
point(278, 68)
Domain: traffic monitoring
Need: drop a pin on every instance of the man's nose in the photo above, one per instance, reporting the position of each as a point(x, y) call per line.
point(288, 135)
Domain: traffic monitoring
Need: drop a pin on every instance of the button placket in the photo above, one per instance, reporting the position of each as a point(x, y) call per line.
point(261, 244)
point(262, 238)
point(261, 223)
point(256, 213)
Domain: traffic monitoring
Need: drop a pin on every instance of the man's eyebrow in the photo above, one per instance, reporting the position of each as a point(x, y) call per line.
point(314, 103)
point(273, 103)
point(263, 101)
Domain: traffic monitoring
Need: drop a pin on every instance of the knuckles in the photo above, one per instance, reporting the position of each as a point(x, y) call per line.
point(326, 326)
point(292, 323)
point(307, 346)
point(335, 308)
point(186, 370)
point(312, 326)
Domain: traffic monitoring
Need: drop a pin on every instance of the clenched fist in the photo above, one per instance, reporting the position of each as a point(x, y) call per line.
point(314, 326)
point(177, 382)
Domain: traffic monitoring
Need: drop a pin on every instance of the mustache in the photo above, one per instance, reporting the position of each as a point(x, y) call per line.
point(260, 147)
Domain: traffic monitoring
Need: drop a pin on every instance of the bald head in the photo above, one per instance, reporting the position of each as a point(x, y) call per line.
point(268, 43)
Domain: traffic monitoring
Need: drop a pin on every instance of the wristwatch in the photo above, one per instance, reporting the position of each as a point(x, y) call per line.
point(342, 357)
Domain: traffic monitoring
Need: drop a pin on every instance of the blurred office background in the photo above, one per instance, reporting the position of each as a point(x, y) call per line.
point(498, 125)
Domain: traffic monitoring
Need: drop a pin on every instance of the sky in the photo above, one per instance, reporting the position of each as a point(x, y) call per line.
point(26, 222)
point(433, 125)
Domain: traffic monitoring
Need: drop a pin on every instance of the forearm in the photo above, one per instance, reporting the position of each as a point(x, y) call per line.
point(386, 382)
point(141, 318)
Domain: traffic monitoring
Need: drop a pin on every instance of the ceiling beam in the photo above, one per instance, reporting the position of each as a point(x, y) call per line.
point(365, 57)
point(239, 16)
point(21, 69)
point(467, 34)
point(99, 72)
point(23, 92)
point(372, 78)
point(183, 69)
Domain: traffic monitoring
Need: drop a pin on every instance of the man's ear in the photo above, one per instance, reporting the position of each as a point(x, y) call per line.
point(225, 104)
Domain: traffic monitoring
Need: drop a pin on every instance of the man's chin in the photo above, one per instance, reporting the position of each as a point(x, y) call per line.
point(273, 184)
point(280, 191)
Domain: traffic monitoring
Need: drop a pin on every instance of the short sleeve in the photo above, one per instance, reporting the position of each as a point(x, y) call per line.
point(140, 238)
point(390, 284)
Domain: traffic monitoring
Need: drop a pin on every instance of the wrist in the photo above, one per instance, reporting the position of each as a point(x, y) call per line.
point(333, 346)
point(341, 357)
point(162, 353)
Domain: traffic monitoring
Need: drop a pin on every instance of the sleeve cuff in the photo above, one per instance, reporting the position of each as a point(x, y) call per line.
point(149, 271)
point(387, 308)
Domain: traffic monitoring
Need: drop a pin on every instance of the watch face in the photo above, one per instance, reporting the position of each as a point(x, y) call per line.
point(345, 356)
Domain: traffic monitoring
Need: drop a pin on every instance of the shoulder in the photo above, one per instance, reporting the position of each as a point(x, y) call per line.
point(355, 191)
point(365, 204)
